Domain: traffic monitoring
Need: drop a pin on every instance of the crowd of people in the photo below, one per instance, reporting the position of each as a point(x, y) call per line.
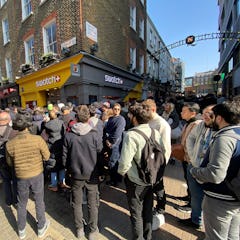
point(77, 147)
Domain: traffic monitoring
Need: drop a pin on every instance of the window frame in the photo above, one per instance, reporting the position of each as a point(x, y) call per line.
point(133, 17)
point(133, 55)
point(5, 29)
point(46, 42)
point(26, 8)
point(29, 50)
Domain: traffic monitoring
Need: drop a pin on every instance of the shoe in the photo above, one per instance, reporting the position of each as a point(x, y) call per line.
point(159, 211)
point(80, 233)
point(185, 209)
point(94, 235)
point(184, 199)
point(158, 221)
point(53, 188)
point(42, 231)
point(63, 185)
point(188, 223)
point(22, 233)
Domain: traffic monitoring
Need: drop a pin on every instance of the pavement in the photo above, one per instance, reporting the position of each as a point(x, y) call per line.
point(114, 222)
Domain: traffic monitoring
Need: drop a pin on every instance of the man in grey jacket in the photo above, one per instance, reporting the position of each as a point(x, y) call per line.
point(221, 208)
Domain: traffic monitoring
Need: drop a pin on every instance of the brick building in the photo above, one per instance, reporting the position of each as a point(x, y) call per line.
point(81, 50)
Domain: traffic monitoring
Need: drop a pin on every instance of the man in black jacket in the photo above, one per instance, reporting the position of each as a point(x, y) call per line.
point(80, 149)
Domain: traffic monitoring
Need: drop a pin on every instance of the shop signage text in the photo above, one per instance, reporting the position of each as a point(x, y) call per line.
point(113, 79)
point(48, 81)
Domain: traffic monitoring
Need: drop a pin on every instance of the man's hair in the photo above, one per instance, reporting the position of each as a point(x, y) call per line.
point(83, 113)
point(192, 106)
point(229, 110)
point(141, 114)
point(149, 104)
point(92, 110)
point(23, 120)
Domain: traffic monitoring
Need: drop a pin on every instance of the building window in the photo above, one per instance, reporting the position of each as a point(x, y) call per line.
point(133, 17)
point(29, 51)
point(141, 29)
point(237, 7)
point(3, 2)
point(141, 64)
point(142, 1)
point(151, 38)
point(5, 28)
point(26, 8)
point(49, 38)
point(8, 69)
point(133, 58)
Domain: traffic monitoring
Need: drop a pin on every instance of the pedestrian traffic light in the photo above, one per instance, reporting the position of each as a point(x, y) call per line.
point(190, 39)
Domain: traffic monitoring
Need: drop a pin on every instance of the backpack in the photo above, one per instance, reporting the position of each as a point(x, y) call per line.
point(153, 161)
point(3, 141)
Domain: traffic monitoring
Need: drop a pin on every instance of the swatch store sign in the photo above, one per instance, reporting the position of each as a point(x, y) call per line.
point(48, 81)
point(113, 79)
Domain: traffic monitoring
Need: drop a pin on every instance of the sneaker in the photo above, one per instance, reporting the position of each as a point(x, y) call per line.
point(22, 233)
point(94, 235)
point(185, 209)
point(158, 221)
point(53, 188)
point(188, 223)
point(42, 231)
point(80, 233)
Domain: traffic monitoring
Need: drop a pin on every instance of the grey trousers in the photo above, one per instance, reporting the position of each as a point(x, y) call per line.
point(221, 219)
point(36, 186)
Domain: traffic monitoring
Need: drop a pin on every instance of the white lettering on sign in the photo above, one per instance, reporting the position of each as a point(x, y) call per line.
point(48, 81)
point(113, 79)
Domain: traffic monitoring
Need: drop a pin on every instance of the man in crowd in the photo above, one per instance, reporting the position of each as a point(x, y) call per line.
point(197, 143)
point(113, 139)
point(189, 113)
point(161, 125)
point(26, 153)
point(6, 172)
point(139, 194)
point(80, 149)
point(221, 208)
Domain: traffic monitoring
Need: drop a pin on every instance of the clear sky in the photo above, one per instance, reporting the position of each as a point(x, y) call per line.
point(177, 19)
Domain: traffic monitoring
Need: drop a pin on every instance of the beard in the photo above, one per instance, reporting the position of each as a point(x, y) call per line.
point(215, 126)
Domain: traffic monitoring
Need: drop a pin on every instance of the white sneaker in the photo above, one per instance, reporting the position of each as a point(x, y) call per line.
point(42, 231)
point(22, 233)
point(158, 221)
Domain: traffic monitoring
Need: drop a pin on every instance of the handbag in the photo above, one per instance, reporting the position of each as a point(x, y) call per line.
point(178, 151)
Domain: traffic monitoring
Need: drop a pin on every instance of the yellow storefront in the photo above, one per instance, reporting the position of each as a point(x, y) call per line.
point(35, 87)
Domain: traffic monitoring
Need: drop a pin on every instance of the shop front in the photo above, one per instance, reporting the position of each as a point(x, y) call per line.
point(9, 96)
point(80, 79)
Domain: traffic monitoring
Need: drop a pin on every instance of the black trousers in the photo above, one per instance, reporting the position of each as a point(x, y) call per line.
point(140, 201)
point(158, 189)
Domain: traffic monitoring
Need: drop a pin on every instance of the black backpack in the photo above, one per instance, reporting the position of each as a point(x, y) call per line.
point(3, 141)
point(153, 161)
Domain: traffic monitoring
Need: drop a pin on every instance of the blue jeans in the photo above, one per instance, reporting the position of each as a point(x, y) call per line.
point(93, 203)
point(197, 195)
point(36, 186)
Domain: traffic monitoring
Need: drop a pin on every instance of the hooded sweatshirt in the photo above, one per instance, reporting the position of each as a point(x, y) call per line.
point(80, 149)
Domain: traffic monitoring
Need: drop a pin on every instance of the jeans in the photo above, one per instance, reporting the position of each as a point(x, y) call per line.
point(197, 195)
point(9, 185)
point(36, 186)
point(185, 170)
point(92, 201)
point(57, 177)
point(140, 201)
point(221, 219)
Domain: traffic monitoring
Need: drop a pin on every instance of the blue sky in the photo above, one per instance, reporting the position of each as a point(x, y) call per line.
point(177, 19)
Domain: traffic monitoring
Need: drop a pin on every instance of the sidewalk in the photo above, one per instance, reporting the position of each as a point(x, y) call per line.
point(114, 222)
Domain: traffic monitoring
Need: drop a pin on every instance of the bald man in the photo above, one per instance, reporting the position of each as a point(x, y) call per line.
point(6, 172)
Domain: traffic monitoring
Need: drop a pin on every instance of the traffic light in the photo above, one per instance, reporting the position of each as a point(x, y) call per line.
point(190, 39)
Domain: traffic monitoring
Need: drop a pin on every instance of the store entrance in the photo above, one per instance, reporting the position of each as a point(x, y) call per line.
point(53, 96)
